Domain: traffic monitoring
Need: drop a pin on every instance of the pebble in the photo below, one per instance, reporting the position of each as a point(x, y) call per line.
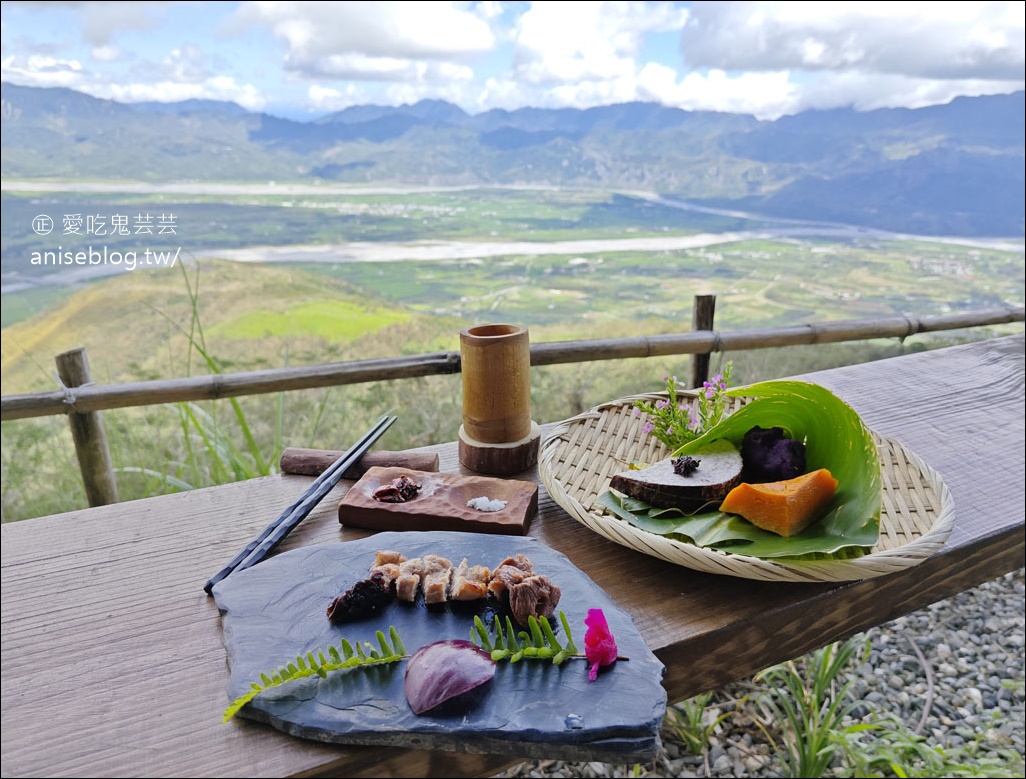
point(973, 644)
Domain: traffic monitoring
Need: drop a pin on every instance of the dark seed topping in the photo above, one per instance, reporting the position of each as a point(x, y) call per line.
point(685, 465)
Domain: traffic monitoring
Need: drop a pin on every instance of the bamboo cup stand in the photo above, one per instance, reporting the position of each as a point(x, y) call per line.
point(497, 435)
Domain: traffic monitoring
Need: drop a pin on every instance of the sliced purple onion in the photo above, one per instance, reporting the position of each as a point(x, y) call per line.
point(447, 677)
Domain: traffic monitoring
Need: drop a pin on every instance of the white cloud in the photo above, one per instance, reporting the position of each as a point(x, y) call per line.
point(359, 67)
point(106, 54)
point(762, 58)
point(216, 88)
point(321, 98)
point(186, 64)
point(919, 39)
point(586, 41)
point(42, 71)
point(373, 40)
point(765, 95)
point(869, 91)
point(101, 21)
point(37, 70)
point(578, 54)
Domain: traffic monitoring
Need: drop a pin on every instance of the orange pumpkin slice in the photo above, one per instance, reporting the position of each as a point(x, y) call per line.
point(783, 507)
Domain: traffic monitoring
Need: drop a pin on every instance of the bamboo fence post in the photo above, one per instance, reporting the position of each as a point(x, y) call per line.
point(703, 315)
point(87, 430)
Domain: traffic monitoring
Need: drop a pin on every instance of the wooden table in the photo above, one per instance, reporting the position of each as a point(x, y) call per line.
point(112, 655)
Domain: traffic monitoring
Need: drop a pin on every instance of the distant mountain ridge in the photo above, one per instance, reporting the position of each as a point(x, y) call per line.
point(950, 169)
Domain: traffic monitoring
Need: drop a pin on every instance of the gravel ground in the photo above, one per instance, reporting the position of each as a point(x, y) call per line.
point(953, 672)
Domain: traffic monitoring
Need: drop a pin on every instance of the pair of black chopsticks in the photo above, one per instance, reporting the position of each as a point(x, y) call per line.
point(274, 533)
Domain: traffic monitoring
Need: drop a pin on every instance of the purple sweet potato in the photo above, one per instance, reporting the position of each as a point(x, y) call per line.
point(769, 456)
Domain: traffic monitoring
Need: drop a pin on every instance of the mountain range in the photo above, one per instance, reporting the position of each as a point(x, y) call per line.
point(953, 169)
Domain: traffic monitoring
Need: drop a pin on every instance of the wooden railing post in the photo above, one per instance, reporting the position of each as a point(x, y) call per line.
point(87, 430)
point(703, 315)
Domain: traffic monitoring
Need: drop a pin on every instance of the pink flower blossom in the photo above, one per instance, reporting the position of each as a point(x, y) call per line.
point(694, 420)
point(599, 644)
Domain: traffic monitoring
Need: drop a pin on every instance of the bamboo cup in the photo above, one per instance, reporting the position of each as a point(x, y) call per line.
point(496, 366)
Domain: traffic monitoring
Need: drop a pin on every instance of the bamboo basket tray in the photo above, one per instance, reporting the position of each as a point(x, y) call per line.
point(578, 458)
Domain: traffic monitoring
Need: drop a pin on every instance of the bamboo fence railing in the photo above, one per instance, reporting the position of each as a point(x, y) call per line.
point(81, 402)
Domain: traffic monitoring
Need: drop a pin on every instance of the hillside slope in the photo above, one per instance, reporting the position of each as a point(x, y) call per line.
point(136, 326)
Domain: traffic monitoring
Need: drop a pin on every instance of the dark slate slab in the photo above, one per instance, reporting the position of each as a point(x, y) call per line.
point(276, 610)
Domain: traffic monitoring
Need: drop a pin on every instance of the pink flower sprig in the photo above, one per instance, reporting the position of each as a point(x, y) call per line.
point(599, 644)
point(675, 420)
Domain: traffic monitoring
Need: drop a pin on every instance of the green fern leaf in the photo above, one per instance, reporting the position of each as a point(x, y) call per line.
point(536, 635)
point(308, 665)
point(397, 643)
point(570, 646)
point(480, 632)
point(538, 643)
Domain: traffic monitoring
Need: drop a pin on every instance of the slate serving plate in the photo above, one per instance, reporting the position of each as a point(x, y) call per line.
point(276, 610)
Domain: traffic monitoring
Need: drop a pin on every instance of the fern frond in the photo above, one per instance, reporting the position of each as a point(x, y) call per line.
point(538, 642)
point(390, 650)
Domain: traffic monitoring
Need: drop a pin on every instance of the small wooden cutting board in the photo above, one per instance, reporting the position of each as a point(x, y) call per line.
point(440, 504)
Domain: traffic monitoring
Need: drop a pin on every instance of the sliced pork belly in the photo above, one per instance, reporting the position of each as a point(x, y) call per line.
point(408, 581)
point(387, 556)
point(388, 572)
point(469, 582)
point(435, 578)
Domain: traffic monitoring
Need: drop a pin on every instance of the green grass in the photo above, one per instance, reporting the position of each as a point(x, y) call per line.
point(341, 321)
point(810, 700)
point(32, 302)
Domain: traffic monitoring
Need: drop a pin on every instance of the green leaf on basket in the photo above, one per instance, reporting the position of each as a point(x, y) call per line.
point(835, 438)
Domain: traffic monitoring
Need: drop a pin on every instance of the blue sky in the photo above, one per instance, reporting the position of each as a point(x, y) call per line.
point(302, 59)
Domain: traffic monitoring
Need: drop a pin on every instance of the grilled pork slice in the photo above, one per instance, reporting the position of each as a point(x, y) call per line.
point(718, 472)
point(536, 596)
point(510, 571)
point(387, 572)
point(386, 556)
point(469, 582)
point(386, 565)
point(435, 578)
point(408, 581)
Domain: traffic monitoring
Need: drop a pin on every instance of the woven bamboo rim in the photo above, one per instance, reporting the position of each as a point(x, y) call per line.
point(582, 453)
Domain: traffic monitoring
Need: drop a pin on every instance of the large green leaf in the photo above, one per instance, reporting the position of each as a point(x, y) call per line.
point(835, 438)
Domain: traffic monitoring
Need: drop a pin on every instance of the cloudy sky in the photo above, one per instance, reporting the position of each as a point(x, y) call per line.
point(299, 59)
